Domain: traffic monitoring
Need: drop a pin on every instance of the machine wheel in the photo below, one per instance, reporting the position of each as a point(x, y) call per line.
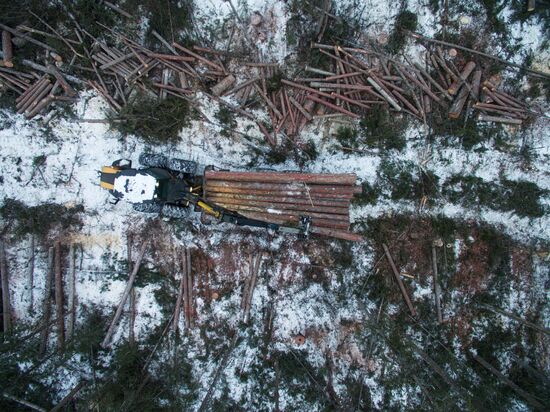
point(147, 207)
point(175, 211)
point(182, 166)
point(153, 160)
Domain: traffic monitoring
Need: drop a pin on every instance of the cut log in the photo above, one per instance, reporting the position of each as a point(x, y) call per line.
point(218, 186)
point(246, 287)
point(72, 291)
point(486, 118)
point(32, 95)
point(6, 307)
point(39, 107)
point(427, 104)
point(189, 277)
point(46, 304)
point(399, 281)
point(132, 297)
point(318, 71)
point(61, 405)
point(386, 96)
point(436, 368)
point(298, 201)
point(180, 295)
point(300, 108)
point(117, 9)
point(436, 286)
point(186, 303)
point(60, 316)
point(332, 106)
point(306, 88)
point(312, 178)
point(254, 269)
point(268, 101)
point(338, 234)
point(476, 81)
point(456, 46)
point(432, 81)
point(132, 321)
point(23, 402)
point(125, 294)
point(17, 33)
point(223, 85)
point(198, 57)
point(7, 48)
point(30, 274)
point(458, 104)
point(468, 69)
point(517, 318)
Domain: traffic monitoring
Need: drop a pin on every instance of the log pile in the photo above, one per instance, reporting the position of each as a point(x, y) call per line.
point(363, 78)
point(358, 80)
point(254, 263)
point(283, 197)
point(176, 71)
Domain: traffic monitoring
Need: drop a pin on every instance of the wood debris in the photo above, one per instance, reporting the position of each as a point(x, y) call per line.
point(361, 79)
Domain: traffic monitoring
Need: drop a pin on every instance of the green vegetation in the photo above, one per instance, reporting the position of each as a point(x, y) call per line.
point(470, 133)
point(369, 195)
point(273, 84)
point(520, 197)
point(303, 27)
point(170, 18)
point(378, 129)
point(40, 220)
point(405, 20)
point(383, 130)
point(406, 182)
point(226, 117)
point(153, 120)
point(347, 137)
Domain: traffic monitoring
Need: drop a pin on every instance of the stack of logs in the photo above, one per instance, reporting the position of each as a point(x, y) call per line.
point(283, 197)
point(185, 294)
point(35, 92)
point(364, 78)
point(360, 79)
point(133, 66)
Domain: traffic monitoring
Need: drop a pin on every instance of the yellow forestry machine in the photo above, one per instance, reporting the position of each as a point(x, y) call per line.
point(297, 203)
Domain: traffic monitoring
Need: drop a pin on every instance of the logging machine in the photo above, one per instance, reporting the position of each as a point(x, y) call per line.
point(170, 187)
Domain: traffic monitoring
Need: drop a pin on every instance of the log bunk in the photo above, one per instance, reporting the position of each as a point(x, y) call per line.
point(282, 197)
